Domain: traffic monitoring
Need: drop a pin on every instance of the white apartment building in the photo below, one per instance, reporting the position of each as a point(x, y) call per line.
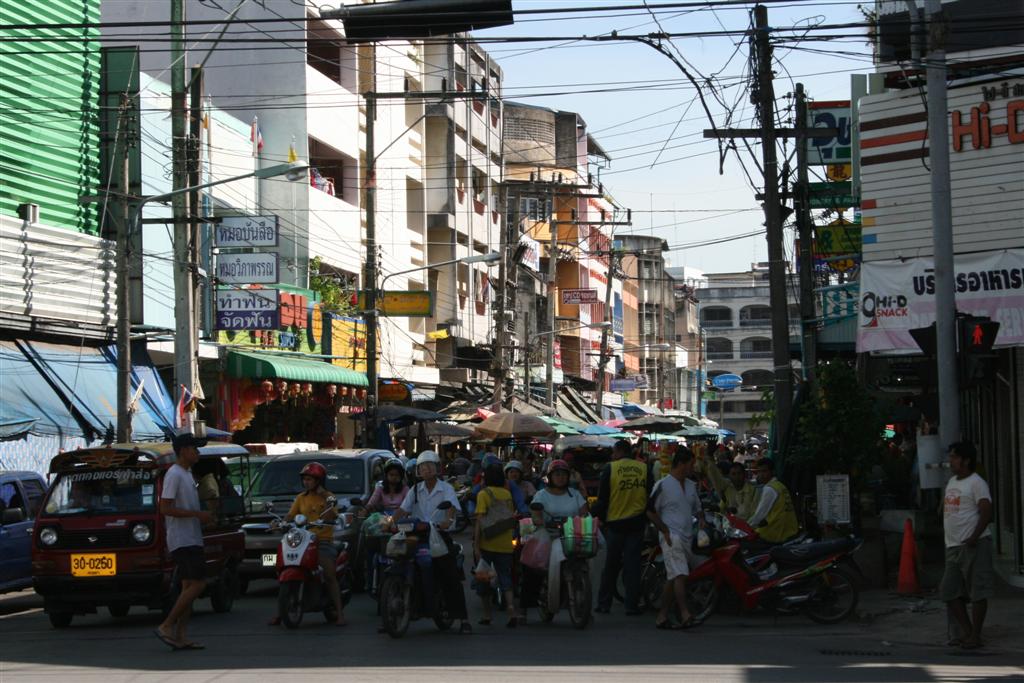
point(735, 317)
point(306, 93)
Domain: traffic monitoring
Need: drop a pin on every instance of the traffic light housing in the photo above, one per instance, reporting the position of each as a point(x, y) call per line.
point(975, 339)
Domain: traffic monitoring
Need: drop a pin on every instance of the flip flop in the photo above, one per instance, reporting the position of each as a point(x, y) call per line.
point(689, 623)
point(954, 642)
point(972, 645)
point(192, 646)
point(166, 640)
point(667, 626)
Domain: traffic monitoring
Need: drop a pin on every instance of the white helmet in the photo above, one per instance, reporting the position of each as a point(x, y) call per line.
point(428, 456)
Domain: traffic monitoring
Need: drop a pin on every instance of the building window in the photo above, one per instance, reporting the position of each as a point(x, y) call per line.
point(535, 208)
point(649, 269)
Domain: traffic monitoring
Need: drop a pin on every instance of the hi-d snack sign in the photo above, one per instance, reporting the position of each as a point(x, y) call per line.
point(898, 296)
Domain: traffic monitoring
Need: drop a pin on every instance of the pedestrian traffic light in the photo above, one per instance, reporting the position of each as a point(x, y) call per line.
point(976, 337)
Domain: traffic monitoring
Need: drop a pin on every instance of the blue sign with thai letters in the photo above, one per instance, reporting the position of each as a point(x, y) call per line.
point(727, 382)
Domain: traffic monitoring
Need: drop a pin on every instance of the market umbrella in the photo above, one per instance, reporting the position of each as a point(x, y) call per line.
point(403, 415)
point(613, 423)
point(698, 431)
point(513, 425)
point(653, 423)
point(599, 430)
point(563, 427)
point(663, 437)
point(438, 432)
point(583, 441)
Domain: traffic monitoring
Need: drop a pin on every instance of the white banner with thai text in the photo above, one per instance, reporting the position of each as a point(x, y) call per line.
point(898, 296)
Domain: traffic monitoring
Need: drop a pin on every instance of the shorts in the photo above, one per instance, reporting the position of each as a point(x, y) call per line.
point(969, 572)
point(328, 553)
point(190, 563)
point(502, 563)
point(676, 556)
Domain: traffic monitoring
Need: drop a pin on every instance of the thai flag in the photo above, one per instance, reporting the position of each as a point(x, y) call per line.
point(184, 410)
point(256, 137)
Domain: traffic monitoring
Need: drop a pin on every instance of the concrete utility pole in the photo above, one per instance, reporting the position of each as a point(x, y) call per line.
point(499, 364)
point(124, 323)
point(805, 229)
point(195, 201)
point(942, 225)
point(370, 279)
point(608, 317)
point(552, 277)
point(184, 277)
point(773, 223)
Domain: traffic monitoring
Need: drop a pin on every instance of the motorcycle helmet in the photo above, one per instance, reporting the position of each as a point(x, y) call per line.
point(514, 465)
point(394, 463)
point(315, 470)
point(428, 456)
point(410, 467)
point(558, 464)
point(490, 460)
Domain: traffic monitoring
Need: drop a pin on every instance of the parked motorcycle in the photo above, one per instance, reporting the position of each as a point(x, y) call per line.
point(807, 577)
point(408, 590)
point(571, 579)
point(301, 580)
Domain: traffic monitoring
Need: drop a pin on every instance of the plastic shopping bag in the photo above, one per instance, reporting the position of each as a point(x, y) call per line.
point(484, 572)
point(555, 577)
point(438, 548)
point(536, 550)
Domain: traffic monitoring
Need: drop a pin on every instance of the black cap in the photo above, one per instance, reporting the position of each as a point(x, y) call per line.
point(186, 439)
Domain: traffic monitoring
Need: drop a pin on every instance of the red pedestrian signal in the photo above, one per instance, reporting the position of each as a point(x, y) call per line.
point(977, 359)
point(977, 336)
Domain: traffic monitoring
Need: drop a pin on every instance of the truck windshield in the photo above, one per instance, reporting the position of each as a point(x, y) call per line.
point(123, 490)
point(281, 478)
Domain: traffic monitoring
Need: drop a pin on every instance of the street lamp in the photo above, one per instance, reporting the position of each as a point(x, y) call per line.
point(184, 328)
point(550, 378)
point(488, 258)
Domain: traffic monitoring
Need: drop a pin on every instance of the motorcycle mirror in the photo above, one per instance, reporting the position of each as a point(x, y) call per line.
point(331, 501)
point(268, 507)
point(300, 520)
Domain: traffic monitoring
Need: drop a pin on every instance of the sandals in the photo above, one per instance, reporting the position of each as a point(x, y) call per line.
point(167, 640)
point(465, 628)
point(191, 646)
point(690, 622)
point(667, 626)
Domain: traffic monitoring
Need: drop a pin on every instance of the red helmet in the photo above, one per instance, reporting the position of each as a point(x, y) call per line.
point(558, 465)
point(315, 470)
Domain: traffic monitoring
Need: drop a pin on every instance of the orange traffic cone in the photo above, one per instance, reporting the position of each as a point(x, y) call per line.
point(907, 583)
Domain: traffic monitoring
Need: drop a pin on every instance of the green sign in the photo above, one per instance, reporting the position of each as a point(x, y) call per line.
point(710, 396)
point(831, 195)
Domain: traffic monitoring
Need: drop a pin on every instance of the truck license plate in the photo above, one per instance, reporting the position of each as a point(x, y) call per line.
point(269, 559)
point(94, 564)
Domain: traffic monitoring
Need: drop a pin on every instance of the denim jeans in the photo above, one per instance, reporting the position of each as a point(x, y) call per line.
point(624, 548)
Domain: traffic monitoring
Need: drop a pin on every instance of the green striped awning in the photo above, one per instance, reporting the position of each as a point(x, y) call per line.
point(245, 364)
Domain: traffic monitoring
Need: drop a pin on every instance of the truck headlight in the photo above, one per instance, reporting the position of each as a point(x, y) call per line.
point(293, 538)
point(48, 536)
point(141, 533)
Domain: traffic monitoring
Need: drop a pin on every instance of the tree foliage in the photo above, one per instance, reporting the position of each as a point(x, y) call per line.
point(333, 297)
point(840, 427)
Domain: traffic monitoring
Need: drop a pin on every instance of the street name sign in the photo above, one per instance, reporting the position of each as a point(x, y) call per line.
point(727, 382)
point(620, 384)
point(246, 231)
point(248, 269)
point(575, 297)
point(247, 309)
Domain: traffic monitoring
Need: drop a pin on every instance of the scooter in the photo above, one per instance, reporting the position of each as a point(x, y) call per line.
point(571, 578)
point(807, 577)
point(300, 578)
point(407, 589)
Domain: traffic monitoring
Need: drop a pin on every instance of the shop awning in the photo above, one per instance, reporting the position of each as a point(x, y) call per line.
point(249, 365)
point(58, 390)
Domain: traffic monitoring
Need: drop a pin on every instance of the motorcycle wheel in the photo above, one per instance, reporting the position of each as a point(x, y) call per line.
point(222, 595)
point(652, 587)
point(702, 598)
point(118, 609)
point(835, 596)
point(442, 617)
point(395, 608)
point(580, 599)
point(60, 619)
point(289, 603)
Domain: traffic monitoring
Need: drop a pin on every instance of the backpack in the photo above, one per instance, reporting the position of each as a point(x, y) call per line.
point(498, 519)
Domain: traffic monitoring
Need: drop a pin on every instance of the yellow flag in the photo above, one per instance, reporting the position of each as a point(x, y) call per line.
point(292, 155)
point(439, 334)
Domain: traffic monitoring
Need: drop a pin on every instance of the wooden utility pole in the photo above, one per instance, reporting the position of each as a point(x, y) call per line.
point(805, 230)
point(499, 365)
point(370, 275)
point(552, 278)
point(195, 201)
point(609, 316)
point(184, 276)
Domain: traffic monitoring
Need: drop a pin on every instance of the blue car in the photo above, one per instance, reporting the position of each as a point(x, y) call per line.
point(21, 495)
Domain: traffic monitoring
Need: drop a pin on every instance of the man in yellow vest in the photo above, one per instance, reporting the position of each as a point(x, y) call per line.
point(774, 518)
point(622, 506)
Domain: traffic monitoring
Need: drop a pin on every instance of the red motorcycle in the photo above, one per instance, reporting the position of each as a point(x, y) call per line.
point(806, 577)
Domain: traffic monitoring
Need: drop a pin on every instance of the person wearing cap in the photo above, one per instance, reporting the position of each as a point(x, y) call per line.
point(184, 519)
point(518, 497)
point(422, 502)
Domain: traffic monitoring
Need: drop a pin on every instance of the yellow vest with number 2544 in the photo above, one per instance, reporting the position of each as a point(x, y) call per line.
point(628, 490)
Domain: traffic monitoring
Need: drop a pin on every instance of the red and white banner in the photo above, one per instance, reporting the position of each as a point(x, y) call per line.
point(898, 296)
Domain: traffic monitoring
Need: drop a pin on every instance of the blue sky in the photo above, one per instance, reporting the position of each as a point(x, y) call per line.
point(690, 201)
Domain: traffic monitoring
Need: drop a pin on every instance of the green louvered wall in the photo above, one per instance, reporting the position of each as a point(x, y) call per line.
point(49, 129)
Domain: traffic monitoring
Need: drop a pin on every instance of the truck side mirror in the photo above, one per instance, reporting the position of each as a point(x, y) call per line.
point(13, 516)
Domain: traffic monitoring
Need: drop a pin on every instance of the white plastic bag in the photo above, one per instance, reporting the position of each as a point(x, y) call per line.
point(484, 572)
point(438, 548)
point(703, 540)
point(555, 577)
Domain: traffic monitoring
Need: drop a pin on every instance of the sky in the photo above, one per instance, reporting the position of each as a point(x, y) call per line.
point(645, 114)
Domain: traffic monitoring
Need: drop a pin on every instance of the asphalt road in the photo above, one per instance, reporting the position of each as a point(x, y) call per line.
point(241, 647)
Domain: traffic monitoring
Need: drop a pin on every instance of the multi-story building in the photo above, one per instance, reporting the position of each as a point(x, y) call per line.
point(686, 281)
point(550, 165)
point(735, 318)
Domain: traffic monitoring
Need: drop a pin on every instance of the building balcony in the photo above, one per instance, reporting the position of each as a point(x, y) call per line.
point(335, 231)
point(716, 323)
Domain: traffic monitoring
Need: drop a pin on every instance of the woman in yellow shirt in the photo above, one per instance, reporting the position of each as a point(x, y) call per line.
point(494, 540)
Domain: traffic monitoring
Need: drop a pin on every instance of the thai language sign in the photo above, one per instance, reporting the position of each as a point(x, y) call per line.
point(579, 296)
point(247, 309)
point(898, 296)
point(246, 231)
point(247, 269)
point(836, 149)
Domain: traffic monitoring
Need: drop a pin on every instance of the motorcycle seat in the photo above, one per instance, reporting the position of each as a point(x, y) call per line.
point(807, 552)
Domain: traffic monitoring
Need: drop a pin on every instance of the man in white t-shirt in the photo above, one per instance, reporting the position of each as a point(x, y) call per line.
point(967, 511)
point(674, 503)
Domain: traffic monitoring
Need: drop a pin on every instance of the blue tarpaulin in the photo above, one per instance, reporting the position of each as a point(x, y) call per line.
point(71, 391)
